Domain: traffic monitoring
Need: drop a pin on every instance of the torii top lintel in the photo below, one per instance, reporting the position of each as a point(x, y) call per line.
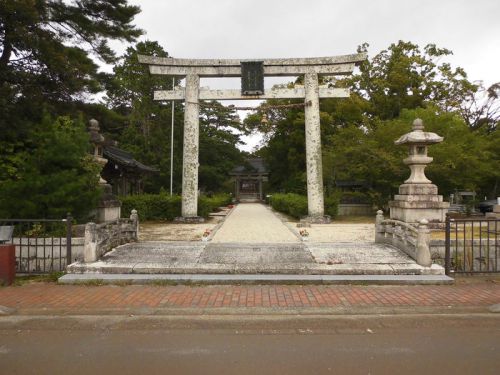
point(334, 65)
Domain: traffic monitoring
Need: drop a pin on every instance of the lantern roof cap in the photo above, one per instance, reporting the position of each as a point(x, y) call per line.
point(418, 136)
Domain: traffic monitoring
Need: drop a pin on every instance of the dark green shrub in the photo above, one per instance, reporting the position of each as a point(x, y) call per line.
point(295, 205)
point(165, 207)
point(331, 206)
point(210, 204)
point(291, 204)
point(152, 206)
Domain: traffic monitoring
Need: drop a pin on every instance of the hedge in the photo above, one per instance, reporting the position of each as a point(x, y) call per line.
point(295, 205)
point(166, 207)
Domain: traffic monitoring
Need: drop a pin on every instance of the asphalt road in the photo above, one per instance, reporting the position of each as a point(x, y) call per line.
point(350, 346)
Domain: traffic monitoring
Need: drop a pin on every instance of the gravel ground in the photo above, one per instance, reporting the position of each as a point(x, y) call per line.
point(253, 223)
point(358, 233)
point(152, 231)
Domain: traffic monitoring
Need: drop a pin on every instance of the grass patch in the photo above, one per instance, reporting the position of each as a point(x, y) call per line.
point(45, 278)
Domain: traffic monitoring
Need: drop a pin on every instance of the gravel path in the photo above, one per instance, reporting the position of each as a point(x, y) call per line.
point(253, 223)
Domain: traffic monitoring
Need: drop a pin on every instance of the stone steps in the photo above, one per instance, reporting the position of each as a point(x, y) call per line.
point(253, 279)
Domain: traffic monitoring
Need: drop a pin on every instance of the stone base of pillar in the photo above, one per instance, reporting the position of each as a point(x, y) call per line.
point(189, 220)
point(495, 214)
point(316, 219)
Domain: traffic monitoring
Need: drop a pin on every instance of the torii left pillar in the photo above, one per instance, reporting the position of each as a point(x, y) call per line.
point(190, 152)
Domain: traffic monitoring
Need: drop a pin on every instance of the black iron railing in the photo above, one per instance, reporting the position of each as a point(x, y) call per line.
point(42, 245)
point(472, 245)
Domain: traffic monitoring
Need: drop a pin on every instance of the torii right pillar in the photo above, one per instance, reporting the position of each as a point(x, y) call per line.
point(314, 162)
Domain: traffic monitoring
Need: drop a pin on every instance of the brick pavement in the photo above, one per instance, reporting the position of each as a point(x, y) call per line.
point(53, 296)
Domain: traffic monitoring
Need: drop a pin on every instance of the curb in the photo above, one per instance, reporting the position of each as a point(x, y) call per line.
point(74, 278)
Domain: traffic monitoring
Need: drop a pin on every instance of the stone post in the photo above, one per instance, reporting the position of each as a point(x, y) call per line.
point(90, 243)
point(379, 228)
point(191, 148)
point(423, 256)
point(135, 223)
point(315, 201)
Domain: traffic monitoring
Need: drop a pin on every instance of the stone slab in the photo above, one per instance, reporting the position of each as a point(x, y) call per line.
point(257, 279)
point(277, 93)
point(325, 60)
point(418, 189)
point(263, 254)
point(357, 253)
point(252, 258)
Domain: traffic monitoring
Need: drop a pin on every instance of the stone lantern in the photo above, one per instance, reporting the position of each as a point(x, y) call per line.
point(109, 207)
point(97, 140)
point(418, 197)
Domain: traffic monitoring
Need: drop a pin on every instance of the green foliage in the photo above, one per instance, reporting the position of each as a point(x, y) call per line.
point(58, 176)
point(391, 89)
point(220, 132)
point(47, 50)
point(291, 204)
point(152, 206)
point(163, 206)
point(295, 205)
point(147, 131)
point(206, 204)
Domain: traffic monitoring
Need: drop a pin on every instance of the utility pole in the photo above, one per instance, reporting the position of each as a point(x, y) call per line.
point(172, 144)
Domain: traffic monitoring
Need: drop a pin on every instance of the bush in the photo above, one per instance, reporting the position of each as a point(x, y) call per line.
point(152, 206)
point(295, 205)
point(331, 205)
point(166, 207)
point(55, 176)
point(210, 204)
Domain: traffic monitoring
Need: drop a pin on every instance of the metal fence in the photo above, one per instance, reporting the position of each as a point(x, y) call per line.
point(42, 245)
point(472, 245)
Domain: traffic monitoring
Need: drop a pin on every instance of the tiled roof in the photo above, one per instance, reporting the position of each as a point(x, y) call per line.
point(125, 159)
point(251, 165)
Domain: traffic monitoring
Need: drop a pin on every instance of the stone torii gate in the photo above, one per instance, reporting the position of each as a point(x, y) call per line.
point(311, 68)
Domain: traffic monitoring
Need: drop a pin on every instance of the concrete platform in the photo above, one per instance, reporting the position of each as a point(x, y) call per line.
point(254, 279)
point(254, 258)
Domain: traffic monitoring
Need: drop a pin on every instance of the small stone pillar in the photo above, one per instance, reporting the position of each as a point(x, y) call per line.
point(135, 222)
point(423, 256)
point(90, 243)
point(418, 198)
point(379, 229)
point(190, 152)
point(314, 158)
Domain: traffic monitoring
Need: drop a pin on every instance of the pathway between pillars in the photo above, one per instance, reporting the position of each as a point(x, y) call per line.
point(253, 223)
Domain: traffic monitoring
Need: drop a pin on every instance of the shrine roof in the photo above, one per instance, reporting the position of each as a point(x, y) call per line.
point(251, 165)
point(125, 159)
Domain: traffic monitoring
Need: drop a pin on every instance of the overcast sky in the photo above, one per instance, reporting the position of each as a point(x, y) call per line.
point(309, 28)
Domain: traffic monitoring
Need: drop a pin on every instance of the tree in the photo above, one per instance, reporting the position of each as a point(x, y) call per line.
point(401, 81)
point(56, 177)
point(145, 129)
point(47, 51)
point(46, 44)
point(466, 160)
point(220, 131)
point(405, 76)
